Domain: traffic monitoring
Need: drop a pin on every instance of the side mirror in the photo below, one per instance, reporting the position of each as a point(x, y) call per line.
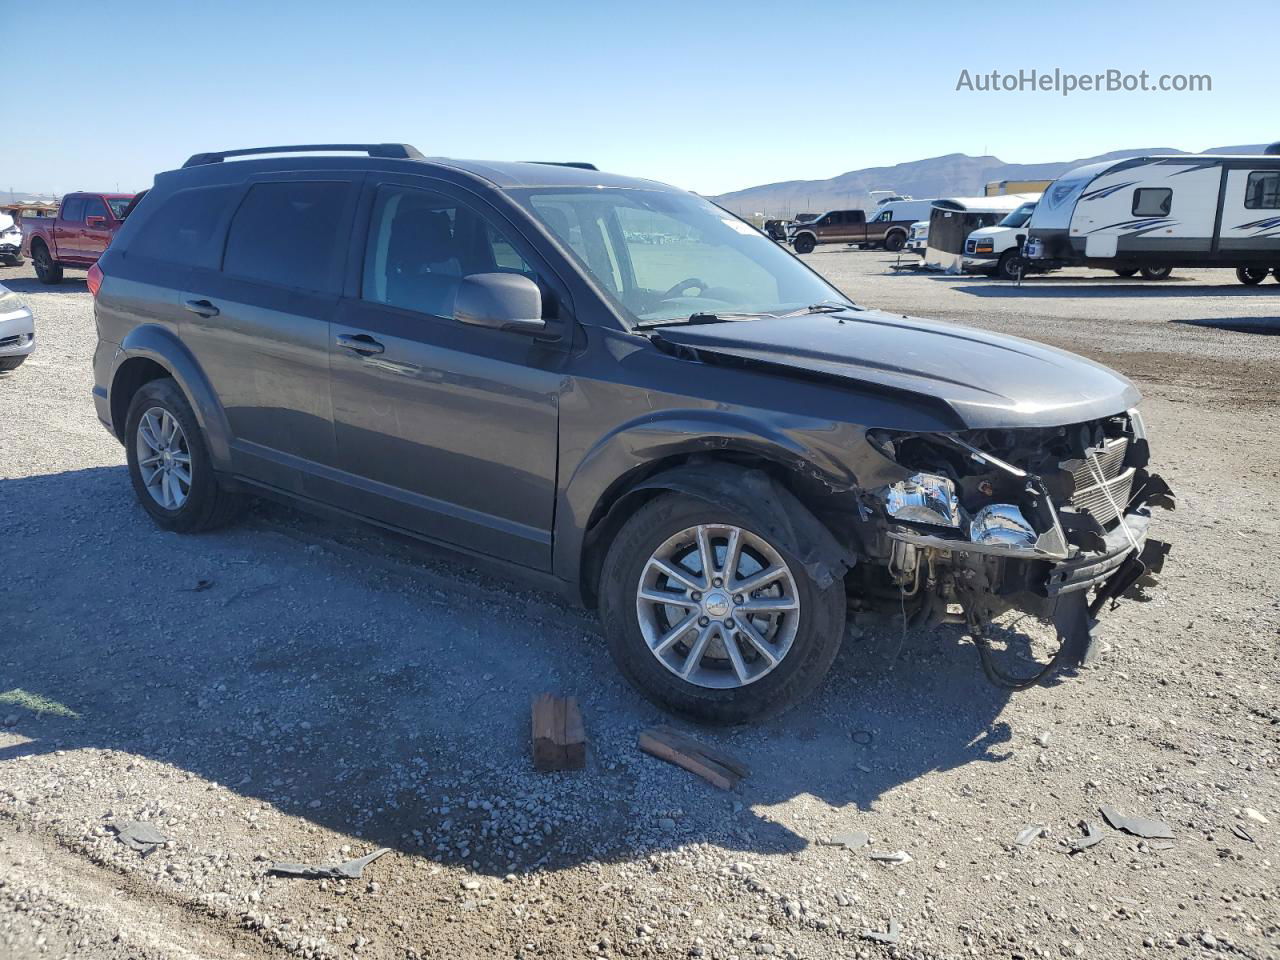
point(500, 301)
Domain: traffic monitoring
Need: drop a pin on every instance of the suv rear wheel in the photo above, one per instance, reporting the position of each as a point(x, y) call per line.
point(169, 462)
point(710, 618)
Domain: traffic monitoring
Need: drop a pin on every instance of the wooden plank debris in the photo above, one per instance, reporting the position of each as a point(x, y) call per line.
point(559, 736)
point(714, 766)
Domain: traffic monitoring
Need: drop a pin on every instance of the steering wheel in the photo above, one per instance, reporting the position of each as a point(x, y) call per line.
point(684, 285)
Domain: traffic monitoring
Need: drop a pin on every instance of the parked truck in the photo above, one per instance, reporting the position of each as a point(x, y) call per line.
point(887, 227)
point(77, 236)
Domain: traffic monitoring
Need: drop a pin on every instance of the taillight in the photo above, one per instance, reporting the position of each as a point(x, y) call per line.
point(94, 279)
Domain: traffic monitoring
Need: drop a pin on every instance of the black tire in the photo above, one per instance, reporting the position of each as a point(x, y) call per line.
point(11, 363)
point(1156, 273)
point(801, 671)
point(1127, 272)
point(1251, 276)
point(804, 243)
point(47, 269)
point(894, 240)
point(1011, 265)
point(208, 505)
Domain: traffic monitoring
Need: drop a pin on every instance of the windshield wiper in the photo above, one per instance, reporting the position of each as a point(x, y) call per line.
point(826, 306)
point(696, 318)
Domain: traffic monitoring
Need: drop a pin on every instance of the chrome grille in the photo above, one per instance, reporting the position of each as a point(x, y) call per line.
point(1091, 495)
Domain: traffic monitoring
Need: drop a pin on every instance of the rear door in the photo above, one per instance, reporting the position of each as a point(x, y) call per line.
point(444, 428)
point(68, 229)
point(259, 324)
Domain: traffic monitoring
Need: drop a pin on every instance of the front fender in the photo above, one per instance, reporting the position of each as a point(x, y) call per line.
point(623, 456)
point(162, 346)
point(779, 514)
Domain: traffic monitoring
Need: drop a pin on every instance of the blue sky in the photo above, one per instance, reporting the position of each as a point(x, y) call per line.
point(712, 96)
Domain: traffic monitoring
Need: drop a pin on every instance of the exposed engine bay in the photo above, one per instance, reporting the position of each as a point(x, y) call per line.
point(1050, 521)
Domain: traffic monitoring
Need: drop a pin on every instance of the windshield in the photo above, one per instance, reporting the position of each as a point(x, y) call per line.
point(665, 256)
point(1019, 216)
point(118, 206)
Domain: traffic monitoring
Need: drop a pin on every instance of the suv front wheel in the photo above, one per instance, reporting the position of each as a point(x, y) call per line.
point(169, 463)
point(804, 243)
point(710, 618)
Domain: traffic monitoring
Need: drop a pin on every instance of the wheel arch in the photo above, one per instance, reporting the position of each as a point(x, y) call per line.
point(151, 352)
point(768, 486)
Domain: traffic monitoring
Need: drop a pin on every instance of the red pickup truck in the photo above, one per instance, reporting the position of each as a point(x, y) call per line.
point(76, 237)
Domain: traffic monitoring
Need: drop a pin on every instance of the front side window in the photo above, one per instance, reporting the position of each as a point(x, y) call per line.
point(72, 210)
point(94, 207)
point(420, 246)
point(286, 234)
point(664, 256)
point(1020, 216)
point(1152, 202)
point(1262, 192)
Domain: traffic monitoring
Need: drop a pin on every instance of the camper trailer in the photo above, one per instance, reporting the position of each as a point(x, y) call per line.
point(1152, 214)
point(954, 218)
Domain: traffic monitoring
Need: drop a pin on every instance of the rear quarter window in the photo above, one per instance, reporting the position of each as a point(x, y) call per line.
point(286, 234)
point(182, 228)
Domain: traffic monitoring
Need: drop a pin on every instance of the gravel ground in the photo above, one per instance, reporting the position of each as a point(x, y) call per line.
point(291, 689)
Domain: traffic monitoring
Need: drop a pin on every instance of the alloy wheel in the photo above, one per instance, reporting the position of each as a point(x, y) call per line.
point(164, 458)
point(718, 606)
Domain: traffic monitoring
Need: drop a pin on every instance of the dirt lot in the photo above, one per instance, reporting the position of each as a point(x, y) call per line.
point(293, 690)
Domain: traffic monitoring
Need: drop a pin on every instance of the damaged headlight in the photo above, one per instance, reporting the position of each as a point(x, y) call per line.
point(924, 498)
point(1003, 524)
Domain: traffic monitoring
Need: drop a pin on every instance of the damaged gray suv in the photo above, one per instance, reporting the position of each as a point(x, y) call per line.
point(618, 390)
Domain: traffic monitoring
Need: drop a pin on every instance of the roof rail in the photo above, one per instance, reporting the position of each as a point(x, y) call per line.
point(566, 163)
point(393, 151)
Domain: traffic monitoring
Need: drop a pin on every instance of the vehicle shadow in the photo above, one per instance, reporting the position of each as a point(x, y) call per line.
point(1125, 289)
point(379, 688)
point(1266, 326)
point(69, 284)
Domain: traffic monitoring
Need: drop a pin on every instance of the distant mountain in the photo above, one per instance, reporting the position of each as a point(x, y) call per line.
point(9, 196)
point(955, 175)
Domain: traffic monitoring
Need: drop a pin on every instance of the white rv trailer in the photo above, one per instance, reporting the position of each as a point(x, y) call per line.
point(1156, 213)
point(954, 218)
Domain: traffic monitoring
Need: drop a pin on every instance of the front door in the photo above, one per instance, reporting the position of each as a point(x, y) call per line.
point(97, 228)
point(444, 428)
point(68, 229)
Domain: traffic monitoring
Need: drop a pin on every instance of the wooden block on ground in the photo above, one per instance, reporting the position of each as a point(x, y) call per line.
point(714, 766)
point(559, 737)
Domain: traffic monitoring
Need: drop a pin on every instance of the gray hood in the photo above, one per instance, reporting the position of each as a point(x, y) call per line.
point(988, 380)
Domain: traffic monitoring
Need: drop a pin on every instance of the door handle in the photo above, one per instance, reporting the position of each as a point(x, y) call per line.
point(201, 308)
point(360, 343)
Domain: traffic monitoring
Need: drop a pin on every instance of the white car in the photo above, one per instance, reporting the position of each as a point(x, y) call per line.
point(17, 330)
point(998, 250)
point(10, 241)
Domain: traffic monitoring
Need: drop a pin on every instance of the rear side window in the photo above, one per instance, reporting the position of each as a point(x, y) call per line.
point(72, 210)
point(1152, 202)
point(183, 229)
point(287, 234)
point(1262, 191)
